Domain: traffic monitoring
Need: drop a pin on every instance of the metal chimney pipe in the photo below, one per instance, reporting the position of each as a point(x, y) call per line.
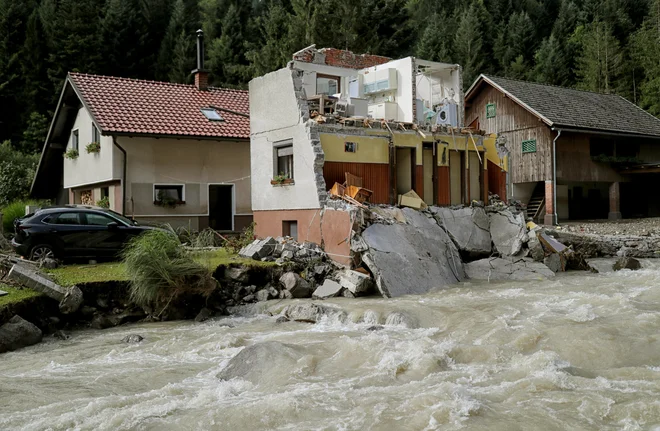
point(200, 49)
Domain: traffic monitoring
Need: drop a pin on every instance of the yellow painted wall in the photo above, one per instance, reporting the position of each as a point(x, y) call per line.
point(374, 147)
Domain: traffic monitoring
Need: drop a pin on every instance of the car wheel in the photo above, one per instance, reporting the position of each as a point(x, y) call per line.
point(42, 251)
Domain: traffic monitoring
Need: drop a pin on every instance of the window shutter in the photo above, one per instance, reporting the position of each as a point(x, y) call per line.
point(285, 151)
point(529, 146)
point(491, 110)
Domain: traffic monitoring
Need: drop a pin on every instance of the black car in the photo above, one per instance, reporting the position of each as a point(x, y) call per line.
point(73, 232)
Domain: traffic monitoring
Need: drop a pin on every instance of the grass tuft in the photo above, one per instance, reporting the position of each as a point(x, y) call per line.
point(159, 269)
point(13, 211)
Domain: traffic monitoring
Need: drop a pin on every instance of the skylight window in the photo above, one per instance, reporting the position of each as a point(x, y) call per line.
point(211, 114)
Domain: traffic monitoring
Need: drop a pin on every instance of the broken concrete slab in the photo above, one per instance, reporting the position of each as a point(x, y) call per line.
point(329, 289)
point(503, 269)
point(508, 231)
point(70, 298)
point(468, 227)
point(259, 248)
point(3, 293)
point(554, 262)
point(422, 247)
point(356, 282)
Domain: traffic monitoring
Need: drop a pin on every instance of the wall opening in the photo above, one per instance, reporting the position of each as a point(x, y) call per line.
point(475, 176)
point(221, 207)
point(405, 164)
point(290, 228)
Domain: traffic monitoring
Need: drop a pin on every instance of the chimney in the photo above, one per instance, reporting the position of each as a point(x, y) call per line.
point(201, 74)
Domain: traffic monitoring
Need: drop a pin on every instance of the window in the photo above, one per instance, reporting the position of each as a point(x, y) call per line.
point(65, 218)
point(105, 192)
point(98, 219)
point(529, 146)
point(326, 84)
point(96, 135)
point(284, 157)
point(350, 147)
point(168, 193)
point(211, 114)
point(491, 110)
point(74, 140)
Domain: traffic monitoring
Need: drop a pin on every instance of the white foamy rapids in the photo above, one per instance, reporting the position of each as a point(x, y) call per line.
point(581, 351)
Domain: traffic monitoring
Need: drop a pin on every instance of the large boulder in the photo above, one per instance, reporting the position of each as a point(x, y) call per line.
point(508, 231)
point(296, 285)
point(468, 228)
point(502, 269)
point(18, 333)
point(263, 363)
point(626, 263)
point(411, 258)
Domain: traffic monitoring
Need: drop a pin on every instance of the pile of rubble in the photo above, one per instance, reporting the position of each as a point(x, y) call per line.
point(281, 250)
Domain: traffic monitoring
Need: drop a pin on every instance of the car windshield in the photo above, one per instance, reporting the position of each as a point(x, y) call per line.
point(122, 218)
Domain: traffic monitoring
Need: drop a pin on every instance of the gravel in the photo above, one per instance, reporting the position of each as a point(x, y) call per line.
point(633, 227)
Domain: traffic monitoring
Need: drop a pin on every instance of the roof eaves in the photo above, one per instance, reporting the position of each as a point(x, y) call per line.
point(518, 101)
point(85, 104)
point(595, 131)
point(49, 134)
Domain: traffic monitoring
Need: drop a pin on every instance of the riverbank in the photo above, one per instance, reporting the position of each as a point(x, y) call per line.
point(574, 352)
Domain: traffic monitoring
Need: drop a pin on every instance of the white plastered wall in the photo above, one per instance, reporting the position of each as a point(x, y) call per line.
point(403, 95)
point(310, 70)
point(274, 117)
point(88, 168)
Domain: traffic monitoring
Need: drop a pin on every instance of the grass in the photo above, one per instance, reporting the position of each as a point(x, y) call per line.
point(15, 295)
point(70, 275)
point(13, 211)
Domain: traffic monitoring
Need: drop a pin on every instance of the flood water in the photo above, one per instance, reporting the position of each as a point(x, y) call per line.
point(581, 351)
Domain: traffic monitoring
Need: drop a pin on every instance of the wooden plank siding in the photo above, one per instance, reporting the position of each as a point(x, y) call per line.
point(574, 161)
point(375, 177)
point(516, 124)
point(496, 180)
point(419, 181)
point(443, 197)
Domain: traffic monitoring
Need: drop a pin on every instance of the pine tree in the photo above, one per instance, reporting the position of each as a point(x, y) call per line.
point(645, 50)
point(177, 47)
point(272, 49)
point(436, 41)
point(227, 53)
point(599, 63)
point(182, 59)
point(468, 46)
point(122, 38)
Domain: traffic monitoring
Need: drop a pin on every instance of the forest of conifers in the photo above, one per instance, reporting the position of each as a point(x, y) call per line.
point(600, 45)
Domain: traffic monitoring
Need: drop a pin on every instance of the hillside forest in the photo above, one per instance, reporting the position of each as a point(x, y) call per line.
point(608, 46)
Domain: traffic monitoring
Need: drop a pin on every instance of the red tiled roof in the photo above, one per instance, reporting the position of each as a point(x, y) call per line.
point(123, 105)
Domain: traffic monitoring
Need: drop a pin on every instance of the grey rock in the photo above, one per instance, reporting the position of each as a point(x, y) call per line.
point(627, 263)
point(468, 227)
point(312, 313)
point(259, 362)
point(277, 251)
point(285, 294)
point(328, 289)
point(508, 231)
point(249, 298)
point(501, 269)
point(401, 319)
point(60, 335)
point(322, 269)
point(103, 321)
point(263, 295)
point(70, 299)
point(281, 319)
point(356, 282)
point(358, 245)
point(18, 333)
point(87, 311)
point(296, 285)
point(375, 328)
point(535, 249)
point(423, 248)
point(259, 248)
point(49, 263)
point(132, 339)
point(553, 262)
point(203, 315)
point(287, 255)
point(347, 294)
point(239, 274)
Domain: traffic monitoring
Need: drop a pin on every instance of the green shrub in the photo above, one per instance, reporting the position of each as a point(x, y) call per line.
point(235, 244)
point(160, 270)
point(13, 211)
point(103, 202)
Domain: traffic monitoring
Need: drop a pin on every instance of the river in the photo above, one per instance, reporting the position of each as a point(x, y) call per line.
point(581, 351)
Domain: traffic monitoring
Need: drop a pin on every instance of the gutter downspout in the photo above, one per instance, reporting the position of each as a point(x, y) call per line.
point(554, 176)
point(123, 177)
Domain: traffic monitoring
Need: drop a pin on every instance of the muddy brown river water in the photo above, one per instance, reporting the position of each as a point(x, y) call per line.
point(579, 352)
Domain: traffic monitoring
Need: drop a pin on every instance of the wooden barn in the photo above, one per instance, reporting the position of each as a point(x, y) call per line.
point(573, 155)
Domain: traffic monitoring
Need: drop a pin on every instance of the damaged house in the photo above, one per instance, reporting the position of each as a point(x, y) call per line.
point(333, 117)
point(154, 151)
point(573, 154)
